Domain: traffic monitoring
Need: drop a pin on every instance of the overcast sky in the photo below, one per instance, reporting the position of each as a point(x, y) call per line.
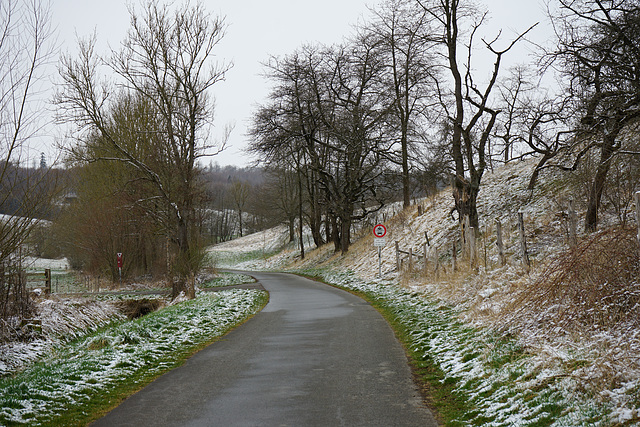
point(256, 30)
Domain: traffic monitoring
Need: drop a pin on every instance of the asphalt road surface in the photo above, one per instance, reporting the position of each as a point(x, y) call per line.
point(315, 356)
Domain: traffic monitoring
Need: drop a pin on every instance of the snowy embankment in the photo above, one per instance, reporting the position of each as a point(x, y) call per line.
point(62, 320)
point(127, 353)
point(506, 347)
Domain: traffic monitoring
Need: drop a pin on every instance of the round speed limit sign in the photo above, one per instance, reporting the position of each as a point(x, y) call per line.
point(379, 230)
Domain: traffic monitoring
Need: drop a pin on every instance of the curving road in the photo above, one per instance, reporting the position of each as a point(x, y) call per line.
point(315, 356)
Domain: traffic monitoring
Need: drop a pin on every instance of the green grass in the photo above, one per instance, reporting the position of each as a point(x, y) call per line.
point(87, 377)
point(438, 390)
point(469, 376)
point(228, 279)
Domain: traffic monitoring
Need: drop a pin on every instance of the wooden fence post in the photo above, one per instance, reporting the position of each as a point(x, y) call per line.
point(573, 221)
point(436, 261)
point(523, 242)
point(410, 259)
point(484, 245)
point(499, 243)
point(424, 249)
point(47, 281)
point(397, 256)
point(454, 256)
point(637, 199)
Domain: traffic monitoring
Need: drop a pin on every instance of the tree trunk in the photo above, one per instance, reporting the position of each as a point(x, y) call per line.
point(292, 229)
point(345, 234)
point(335, 234)
point(315, 223)
point(465, 201)
point(315, 217)
point(185, 281)
point(406, 190)
point(300, 215)
point(599, 181)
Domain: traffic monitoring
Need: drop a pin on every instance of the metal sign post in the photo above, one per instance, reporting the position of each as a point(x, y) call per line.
point(379, 241)
point(119, 259)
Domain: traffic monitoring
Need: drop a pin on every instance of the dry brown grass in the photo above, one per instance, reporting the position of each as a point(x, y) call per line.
point(583, 310)
point(596, 284)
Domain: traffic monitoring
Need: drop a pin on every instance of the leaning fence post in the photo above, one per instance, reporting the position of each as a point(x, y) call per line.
point(397, 256)
point(424, 248)
point(410, 259)
point(454, 256)
point(499, 243)
point(523, 242)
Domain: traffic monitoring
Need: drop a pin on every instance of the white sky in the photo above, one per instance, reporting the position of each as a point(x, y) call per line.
point(256, 30)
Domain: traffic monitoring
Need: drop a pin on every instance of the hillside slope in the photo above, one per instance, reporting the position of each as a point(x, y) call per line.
point(581, 327)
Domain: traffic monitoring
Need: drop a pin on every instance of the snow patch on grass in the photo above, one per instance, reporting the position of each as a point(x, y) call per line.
point(584, 376)
point(84, 369)
point(503, 383)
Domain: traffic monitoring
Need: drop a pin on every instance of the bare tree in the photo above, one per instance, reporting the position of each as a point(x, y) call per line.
point(240, 193)
point(403, 29)
point(166, 59)
point(279, 131)
point(355, 112)
point(534, 121)
point(469, 105)
point(329, 108)
point(25, 48)
point(598, 53)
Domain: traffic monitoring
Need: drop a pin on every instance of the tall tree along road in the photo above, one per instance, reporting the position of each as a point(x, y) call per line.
point(315, 356)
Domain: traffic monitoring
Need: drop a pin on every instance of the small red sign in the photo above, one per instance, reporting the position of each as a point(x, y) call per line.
point(119, 259)
point(379, 230)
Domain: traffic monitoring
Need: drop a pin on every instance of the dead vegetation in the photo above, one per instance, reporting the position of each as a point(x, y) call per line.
point(136, 308)
point(594, 285)
point(581, 313)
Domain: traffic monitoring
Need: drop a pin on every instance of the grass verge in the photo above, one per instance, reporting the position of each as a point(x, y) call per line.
point(469, 376)
point(228, 279)
point(84, 379)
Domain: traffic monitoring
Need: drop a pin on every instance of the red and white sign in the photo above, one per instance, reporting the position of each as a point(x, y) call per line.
point(119, 259)
point(379, 231)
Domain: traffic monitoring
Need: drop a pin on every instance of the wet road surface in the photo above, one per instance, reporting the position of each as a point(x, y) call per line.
point(315, 356)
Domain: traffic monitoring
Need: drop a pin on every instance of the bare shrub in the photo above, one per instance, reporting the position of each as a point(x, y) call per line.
point(596, 284)
point(15, 305)
point(134, 309)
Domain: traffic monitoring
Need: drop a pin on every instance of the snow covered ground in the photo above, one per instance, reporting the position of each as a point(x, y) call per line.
point(516, 371)
point(94, 364)
point(592, 376)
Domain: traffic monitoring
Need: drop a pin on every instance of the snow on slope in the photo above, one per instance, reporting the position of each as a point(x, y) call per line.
point(602, 361)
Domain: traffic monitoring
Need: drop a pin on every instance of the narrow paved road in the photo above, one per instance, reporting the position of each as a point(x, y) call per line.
point(315, 356)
